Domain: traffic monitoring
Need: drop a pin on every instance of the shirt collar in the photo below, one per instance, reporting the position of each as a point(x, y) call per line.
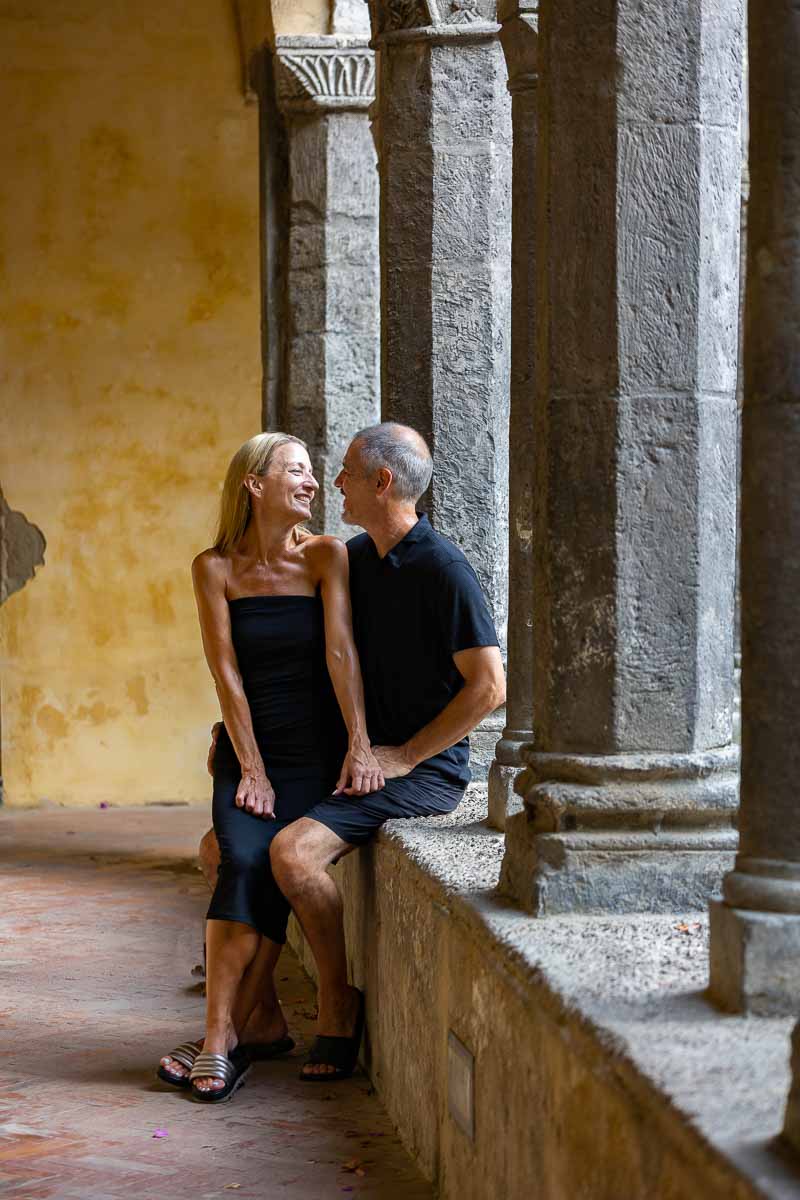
point(415, 534)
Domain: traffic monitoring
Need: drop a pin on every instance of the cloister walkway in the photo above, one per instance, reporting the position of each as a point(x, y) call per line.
point(100, 928)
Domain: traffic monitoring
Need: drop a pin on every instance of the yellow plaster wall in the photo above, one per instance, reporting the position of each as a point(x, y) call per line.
point(129, 372)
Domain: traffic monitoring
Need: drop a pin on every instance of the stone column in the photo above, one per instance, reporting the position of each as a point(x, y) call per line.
point(755, 929)
point(631, 788)
point(444, 139)
point(325, 87)
point(519, 35)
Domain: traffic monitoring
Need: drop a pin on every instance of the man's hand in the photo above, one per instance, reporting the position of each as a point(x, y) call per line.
point(255, 795)
point(394, 761)
point(212, 749)
point(360, 773)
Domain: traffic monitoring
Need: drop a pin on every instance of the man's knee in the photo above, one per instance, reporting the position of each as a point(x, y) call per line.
point(300, 852)
point(287, 860)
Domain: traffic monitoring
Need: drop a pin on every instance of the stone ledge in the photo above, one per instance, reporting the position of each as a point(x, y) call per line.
point(617, 1002)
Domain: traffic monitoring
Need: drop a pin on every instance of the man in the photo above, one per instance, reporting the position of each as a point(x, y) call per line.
point(432, 671)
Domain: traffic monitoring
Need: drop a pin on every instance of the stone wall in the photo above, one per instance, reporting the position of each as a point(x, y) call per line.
point(600, 1071)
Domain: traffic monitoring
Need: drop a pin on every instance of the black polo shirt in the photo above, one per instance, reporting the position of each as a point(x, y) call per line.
point(412, 611)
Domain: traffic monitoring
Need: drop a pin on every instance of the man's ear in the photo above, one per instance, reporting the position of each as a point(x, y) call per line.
point(382, 480)
point(254, 484)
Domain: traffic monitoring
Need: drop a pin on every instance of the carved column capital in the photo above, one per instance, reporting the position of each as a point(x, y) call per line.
point(324, 73)
point(432, 20)
point(519, 37)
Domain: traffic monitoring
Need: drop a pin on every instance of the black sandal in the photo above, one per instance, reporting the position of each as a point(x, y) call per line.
point(264, 1051)
point(338, 1052)
point(231, 1068)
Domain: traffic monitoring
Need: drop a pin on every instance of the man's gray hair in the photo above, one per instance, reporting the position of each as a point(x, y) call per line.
point(403, 451)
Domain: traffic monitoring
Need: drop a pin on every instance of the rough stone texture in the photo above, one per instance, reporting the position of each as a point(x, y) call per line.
point(601, 1070)
point(791, 1124)
point(22, 548)
point(103, 914)
point(635, 446)
point(755, 960)
point(349, 17)
point(519, 36)
point(766, 879)
point(325, 86)
point(444, 137)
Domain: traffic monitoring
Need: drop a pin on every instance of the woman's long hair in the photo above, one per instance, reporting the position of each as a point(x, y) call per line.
point(253, 458)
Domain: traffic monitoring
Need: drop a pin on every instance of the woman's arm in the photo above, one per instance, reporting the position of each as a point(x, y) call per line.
point(360, 772)
point(208, 575)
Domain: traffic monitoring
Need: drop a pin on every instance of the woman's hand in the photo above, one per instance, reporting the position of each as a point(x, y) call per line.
point(360, 773)
point(255, 794)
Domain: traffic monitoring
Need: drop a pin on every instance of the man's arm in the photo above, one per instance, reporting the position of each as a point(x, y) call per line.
point(484, 690)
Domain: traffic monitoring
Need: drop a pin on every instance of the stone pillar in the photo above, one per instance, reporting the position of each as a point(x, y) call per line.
point(755, 929)
point(519, 35)
point(631, 789)
point(325, 87)
point(444, 139)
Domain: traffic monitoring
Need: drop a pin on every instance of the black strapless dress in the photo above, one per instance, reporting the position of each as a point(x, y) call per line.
point(280, 647)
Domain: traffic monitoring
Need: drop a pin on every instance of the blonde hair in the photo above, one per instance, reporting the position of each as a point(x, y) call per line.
point(253, 458)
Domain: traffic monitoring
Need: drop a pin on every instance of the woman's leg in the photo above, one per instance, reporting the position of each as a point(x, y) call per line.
point(233, 927)
point(231, 947)
point(257, 1014)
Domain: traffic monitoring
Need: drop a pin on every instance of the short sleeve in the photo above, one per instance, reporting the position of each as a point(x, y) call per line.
point(465, 622)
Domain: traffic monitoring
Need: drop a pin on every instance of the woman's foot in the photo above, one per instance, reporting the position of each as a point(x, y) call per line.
point(216, 1042)
point(177, 1071)
point(264, 1025)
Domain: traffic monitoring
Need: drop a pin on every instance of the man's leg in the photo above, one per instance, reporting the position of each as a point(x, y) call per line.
point(301, 854)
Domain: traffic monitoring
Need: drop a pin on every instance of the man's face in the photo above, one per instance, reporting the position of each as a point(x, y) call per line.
point(358, 490)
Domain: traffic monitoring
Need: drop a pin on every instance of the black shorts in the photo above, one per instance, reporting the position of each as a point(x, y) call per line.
point(356, 819)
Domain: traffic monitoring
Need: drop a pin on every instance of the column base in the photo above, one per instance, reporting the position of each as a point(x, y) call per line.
point(605, 874)
point(755, 961)
point(503, 800)
point(506, 768)
point(622, 833)
point(482, 742)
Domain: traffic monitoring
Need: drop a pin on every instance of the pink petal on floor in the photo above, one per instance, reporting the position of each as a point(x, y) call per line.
point(159, 1133)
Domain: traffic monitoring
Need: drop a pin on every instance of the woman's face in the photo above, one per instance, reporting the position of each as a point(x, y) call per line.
point(289, 486)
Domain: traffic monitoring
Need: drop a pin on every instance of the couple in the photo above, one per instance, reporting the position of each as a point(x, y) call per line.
point(310, 761)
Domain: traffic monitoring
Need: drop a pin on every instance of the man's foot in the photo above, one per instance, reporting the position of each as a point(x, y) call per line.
point(337, 1018)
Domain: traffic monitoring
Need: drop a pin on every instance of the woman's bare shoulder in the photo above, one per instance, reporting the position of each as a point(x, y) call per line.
point(210, 566)
point(324, 548)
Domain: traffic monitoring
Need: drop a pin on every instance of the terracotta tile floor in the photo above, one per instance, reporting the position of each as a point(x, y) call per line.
point(100, 922)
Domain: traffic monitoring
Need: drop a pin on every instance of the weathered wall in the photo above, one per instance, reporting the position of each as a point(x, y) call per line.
point(129, 319)
point(300, 16)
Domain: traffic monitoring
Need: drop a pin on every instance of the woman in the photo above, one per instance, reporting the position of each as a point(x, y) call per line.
point(274, 608)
